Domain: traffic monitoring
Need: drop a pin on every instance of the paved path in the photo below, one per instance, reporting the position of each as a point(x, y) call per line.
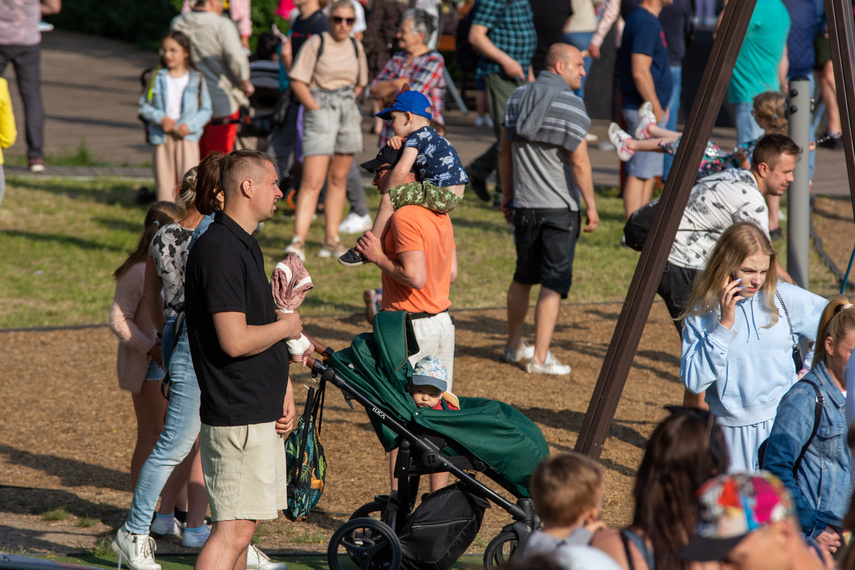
point(91, 87)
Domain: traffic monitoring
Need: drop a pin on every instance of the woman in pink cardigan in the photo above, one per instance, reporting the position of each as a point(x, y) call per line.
point(138, 357)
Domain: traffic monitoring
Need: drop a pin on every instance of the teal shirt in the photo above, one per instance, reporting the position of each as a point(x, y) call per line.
point(756, 67)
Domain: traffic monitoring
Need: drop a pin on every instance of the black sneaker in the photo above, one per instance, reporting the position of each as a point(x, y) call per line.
point(479, 185)
point(832, 140)
point(776, 234)
point(351, 258)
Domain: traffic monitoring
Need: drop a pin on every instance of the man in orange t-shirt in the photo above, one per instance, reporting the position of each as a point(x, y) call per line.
point(418, 259)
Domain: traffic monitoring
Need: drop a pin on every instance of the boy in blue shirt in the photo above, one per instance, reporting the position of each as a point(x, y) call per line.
point(440, 178)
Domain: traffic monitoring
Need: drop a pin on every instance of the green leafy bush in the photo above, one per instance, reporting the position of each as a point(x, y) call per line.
point(143, 23)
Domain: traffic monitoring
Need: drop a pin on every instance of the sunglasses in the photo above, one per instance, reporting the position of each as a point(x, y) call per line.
point(340, 20)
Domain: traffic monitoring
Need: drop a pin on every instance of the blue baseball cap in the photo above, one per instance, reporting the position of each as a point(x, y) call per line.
point(429, 371)
point(408, 102)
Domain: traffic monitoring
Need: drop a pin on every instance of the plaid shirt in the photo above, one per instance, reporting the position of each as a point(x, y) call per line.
point(427, 76)
point(510, 27)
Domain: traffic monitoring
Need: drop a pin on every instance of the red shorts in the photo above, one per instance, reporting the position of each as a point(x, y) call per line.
point(218, 137)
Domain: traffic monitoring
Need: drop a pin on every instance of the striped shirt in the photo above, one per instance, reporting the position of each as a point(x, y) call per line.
point(543, 177)
point(510, 26)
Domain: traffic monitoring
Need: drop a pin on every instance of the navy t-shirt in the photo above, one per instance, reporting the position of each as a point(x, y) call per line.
point(803, 28)
point(437, 161)
point(643, 34)
point(676, 21)
point(304, 28)
point(549, 17)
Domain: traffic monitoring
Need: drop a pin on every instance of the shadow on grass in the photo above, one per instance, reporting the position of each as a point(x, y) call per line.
point(62, 239)
point(118, 193)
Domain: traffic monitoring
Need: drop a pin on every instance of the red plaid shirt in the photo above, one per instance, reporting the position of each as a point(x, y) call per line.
point(426, 74)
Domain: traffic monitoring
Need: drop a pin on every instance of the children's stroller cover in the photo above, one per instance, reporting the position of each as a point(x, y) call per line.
point(492, 431)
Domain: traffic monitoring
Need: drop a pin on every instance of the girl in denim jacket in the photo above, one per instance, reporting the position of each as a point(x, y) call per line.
point(176, 106)
point(820, 486)
point(738, 338)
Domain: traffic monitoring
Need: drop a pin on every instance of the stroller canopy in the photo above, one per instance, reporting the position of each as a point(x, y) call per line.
point(496, 433)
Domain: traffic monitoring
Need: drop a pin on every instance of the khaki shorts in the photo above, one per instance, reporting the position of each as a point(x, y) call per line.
point(244, 469)
point(335, 128)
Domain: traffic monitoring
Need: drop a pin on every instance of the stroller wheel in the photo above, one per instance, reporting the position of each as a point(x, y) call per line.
point(368, 543)
point(500, 550)
point(373, 510)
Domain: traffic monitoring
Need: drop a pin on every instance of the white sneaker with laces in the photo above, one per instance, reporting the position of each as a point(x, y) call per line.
point(166, 526)
point(517, 355)
point(355, 224)
point(196, 538)
point(298, 247)
point(619, 138)
point(136, 550)
point(645, 119)
point(550, 366)
point(256, 559)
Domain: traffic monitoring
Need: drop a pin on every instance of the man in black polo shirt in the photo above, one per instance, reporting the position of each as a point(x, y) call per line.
point(236, 340)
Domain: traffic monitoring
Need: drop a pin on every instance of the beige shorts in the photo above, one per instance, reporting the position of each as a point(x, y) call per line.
point(335, 128)
point(244, 469)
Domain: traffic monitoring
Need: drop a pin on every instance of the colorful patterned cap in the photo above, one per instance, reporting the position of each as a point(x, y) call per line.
point(430, 371)
point(732, 506)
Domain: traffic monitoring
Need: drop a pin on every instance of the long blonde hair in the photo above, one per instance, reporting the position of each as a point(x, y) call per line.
point(736, 243)
point(838, 318)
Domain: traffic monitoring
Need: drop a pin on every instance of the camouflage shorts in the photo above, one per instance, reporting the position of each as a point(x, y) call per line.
point(425, 194)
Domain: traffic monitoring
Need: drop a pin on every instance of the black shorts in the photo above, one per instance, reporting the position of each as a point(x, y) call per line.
point(545, 241)
point(675, 287)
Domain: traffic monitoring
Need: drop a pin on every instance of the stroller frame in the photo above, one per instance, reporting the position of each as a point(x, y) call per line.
point(417, 455)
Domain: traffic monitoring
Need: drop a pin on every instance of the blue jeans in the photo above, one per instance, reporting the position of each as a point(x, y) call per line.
point(176, 440)
point(747, 128)
point(673, 111)
point(166, 342)
point(581, 40)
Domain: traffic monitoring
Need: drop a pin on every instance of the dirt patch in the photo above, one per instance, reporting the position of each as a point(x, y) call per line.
point(833, 222)
point(69, 431)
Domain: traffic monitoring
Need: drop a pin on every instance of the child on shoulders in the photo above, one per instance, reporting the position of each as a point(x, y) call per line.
point(567, 491)
point(440, 178)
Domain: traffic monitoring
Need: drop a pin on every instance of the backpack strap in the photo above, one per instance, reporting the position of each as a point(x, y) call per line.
point(817, 414)
point(628, 535)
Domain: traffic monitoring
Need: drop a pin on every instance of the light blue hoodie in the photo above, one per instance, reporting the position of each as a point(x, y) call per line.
point(746, 371)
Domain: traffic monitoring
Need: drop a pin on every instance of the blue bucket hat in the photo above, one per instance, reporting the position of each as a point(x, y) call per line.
point(408, 102)
point(430, 371)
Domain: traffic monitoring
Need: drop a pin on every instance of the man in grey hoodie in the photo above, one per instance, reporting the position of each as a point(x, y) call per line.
point(219, 55)
point(544, 167)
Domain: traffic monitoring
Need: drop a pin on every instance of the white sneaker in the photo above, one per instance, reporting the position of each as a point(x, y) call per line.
point(355, 224)
point(166, 526)
point(137, 550)
point(645, 119)
point(591, 138)
point(550, 366)
point(257, 559)
point(517, 355)
point(619, 138)
point(298, 247)
point(196, 538)
point(484, 121)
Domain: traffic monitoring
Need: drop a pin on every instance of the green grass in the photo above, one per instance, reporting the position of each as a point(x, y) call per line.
point(295, 562)
point(58, 514)
point(62, 239)
point(81, 156)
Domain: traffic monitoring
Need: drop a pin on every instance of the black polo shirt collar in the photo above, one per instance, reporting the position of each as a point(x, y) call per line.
point(245, 238)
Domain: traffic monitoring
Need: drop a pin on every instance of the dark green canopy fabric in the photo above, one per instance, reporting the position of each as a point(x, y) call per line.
point(376, 364)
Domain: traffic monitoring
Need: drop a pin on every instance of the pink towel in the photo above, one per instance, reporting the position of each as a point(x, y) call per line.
point(290, 282)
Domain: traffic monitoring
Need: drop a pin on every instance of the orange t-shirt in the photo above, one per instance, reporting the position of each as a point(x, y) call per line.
point(414, 228)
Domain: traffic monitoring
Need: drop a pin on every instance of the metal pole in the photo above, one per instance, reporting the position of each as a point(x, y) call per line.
point(798, 194)
point(648, 272)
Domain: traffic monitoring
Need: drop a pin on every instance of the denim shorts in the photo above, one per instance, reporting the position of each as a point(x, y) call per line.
point(644, 165)
point(335, 128)
point(545, 240)
point(154, 373)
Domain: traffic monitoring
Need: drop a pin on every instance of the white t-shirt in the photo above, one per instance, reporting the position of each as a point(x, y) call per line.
point(717, 202)
point(175, 87)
